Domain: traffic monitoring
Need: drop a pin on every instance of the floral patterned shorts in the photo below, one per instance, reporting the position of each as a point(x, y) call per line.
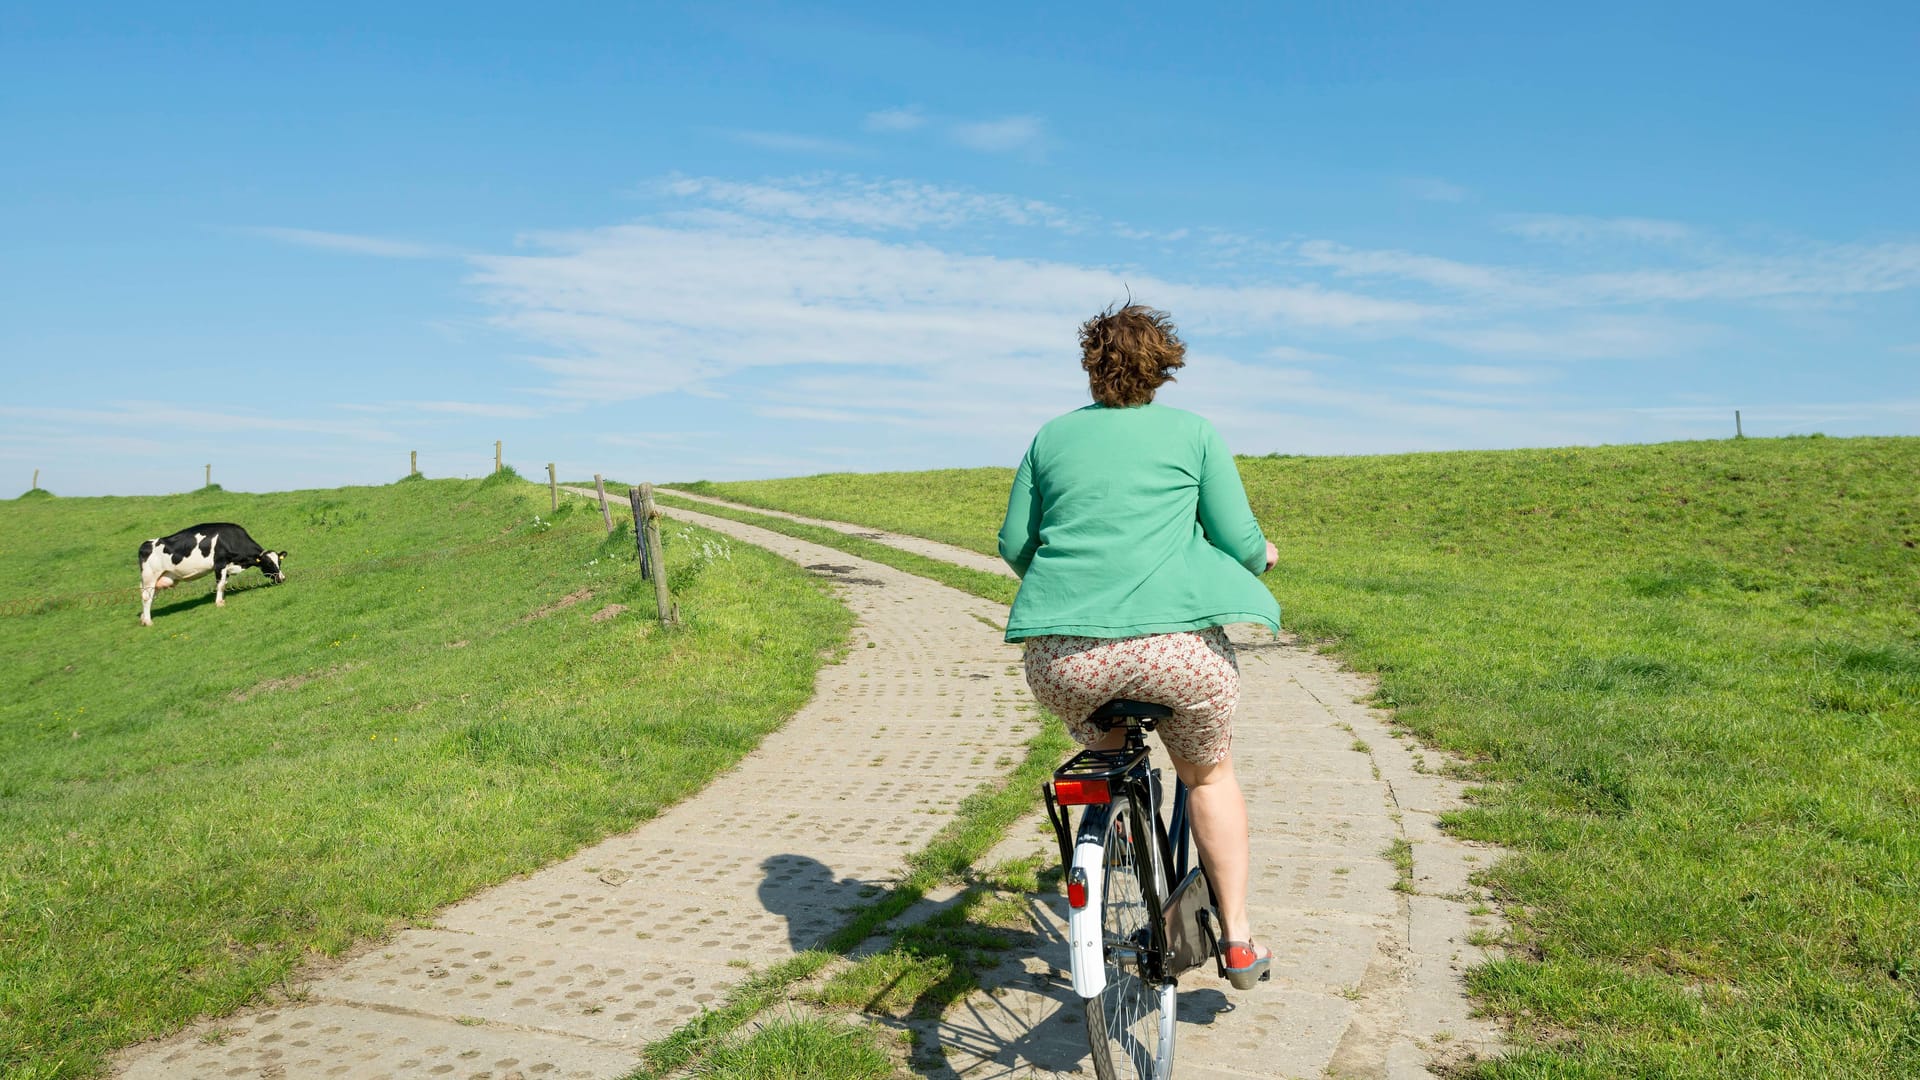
point(1193, 673)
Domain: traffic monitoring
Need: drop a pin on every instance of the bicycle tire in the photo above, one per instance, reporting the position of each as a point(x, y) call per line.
point(1130, 1025)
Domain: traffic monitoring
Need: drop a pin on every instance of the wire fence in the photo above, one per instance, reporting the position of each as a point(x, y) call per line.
point(21, 606)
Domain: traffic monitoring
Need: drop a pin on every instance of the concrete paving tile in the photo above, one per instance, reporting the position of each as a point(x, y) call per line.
point(326, 1041)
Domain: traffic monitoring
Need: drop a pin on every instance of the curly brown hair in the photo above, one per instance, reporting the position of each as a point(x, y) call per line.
point(1128, 353)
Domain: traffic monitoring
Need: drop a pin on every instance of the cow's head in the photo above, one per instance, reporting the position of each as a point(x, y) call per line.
point(270, 565)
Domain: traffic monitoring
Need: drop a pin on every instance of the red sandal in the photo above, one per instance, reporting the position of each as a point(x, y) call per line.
point(1245, 963)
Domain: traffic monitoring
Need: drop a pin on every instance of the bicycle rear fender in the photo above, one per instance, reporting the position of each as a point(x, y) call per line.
point(1087, 961)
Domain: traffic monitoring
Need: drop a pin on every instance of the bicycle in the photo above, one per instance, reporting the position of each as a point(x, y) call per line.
point(1138, 915)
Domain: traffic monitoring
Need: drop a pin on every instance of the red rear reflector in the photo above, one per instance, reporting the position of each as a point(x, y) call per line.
point(1077, 889)
point(1081, 792)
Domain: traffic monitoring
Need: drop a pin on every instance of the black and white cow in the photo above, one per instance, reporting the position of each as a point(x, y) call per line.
point(214, 548)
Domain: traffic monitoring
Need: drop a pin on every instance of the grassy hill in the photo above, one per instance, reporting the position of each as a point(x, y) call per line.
point(1693, 670)
point(437, 699)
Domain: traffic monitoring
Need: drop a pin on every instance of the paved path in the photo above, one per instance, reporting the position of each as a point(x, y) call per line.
point(570, 971)
point(1367, 979)
point(565, 973)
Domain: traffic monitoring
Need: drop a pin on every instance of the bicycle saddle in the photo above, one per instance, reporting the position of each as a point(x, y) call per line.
point(1122, 709)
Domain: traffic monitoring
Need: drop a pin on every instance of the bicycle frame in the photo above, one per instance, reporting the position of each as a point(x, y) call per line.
point(1092, 778)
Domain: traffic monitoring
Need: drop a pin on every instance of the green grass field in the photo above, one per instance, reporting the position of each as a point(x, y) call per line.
point(427, 706)
point(1692, 672)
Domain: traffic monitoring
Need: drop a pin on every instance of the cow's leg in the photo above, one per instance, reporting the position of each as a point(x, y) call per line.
point(146, 605)
point(220, 588)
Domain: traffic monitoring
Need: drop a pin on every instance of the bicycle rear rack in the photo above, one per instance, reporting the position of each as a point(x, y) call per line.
point(1087, 778)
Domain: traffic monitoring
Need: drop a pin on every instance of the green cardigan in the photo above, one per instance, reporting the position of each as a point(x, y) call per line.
point(1125, 522)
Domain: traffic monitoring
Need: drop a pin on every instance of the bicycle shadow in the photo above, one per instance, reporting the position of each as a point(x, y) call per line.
point(1024, 1017)
point(1011, 1016)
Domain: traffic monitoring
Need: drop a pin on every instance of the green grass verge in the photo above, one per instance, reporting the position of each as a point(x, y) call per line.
point(427, 706)
point(1694, 669)
point(987, 586)
point(962, 507)
point(800, 1048)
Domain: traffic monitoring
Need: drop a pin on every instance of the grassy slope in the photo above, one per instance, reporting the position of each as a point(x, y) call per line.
point(188, 809)
point(1696, 669)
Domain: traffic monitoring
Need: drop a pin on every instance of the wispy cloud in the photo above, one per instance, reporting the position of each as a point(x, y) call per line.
point(1569, 229)
point(870, 204)
point(833, 300)
point(1296, 355)
point(633, 310)
point(482, 408)
point(789, 142)
point(1831, 271)
point(1005, 135)
point(1487, 375)
point(350, 244)
point(1587, 337)
point(152, 416)
point(1434, 189)
point(908, 118)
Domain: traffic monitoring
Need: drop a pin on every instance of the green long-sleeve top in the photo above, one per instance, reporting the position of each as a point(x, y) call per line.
point(1125, 522)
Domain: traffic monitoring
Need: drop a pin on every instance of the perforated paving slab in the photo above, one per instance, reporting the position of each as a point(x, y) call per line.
point(1368, 968)
point(1367, 977)
point(569, 972)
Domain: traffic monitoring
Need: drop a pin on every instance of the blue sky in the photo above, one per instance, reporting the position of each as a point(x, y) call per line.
point(738, 240)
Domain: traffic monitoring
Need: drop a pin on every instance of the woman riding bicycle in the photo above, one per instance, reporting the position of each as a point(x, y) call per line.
point(1135, 545)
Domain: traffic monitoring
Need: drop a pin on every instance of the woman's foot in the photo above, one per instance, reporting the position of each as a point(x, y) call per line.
point(1247, 963)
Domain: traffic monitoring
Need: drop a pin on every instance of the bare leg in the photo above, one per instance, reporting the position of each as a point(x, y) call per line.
point(1219, 813)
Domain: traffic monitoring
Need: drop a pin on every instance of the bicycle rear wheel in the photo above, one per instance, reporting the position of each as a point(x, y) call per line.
point(1130, 1024)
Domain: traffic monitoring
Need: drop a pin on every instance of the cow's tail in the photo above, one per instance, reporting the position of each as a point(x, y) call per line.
point(146, 549)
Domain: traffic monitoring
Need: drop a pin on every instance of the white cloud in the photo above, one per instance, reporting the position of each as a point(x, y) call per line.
point(894, 120)
point(1487, 375)
point(479, 408)
point(1425, 269)
point(1600, 337)
point(1298, 355)
point(788, 142)
point(150, 416)
point(1571, 229)
point(1834, 271)
point(1005, 135)
point(1792, 417)
point(350, 244)
point(870, 204)
point(807, 325)
point(1434, 189)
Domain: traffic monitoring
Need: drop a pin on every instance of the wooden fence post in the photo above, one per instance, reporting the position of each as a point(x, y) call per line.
point(36, 483)
point(639, 532)
point(553, 486)
point(413, 463)
point(669, 615)
point(646, 535)
point(599, 486)
point(209, 482)
point(496, 455)
point(1737, 433)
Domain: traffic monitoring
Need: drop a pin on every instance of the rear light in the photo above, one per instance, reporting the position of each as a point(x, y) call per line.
point(1077, 889)
point(1081, 792)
